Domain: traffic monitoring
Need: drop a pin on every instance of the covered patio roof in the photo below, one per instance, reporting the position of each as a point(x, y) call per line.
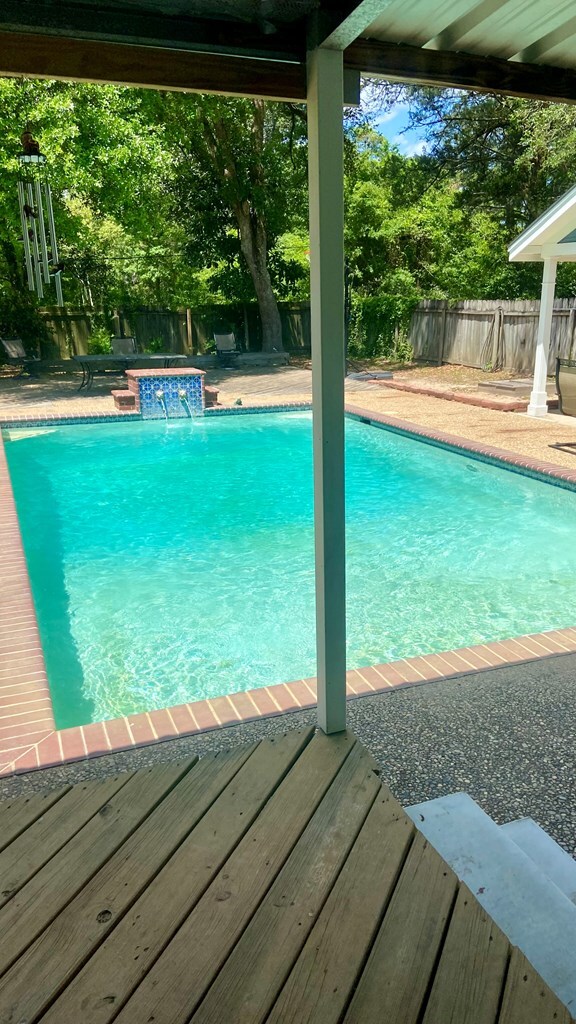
point(515, 47)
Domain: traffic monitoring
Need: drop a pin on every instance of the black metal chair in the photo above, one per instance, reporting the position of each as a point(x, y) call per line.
point(16, 355)
point(124, 346)
point(226, 350)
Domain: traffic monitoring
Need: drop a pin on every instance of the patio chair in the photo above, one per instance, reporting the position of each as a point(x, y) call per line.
point(16, 355)
point(226, 350)
point(124, 346)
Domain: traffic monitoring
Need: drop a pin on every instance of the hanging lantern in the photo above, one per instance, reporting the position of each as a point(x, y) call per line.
point(37, 218)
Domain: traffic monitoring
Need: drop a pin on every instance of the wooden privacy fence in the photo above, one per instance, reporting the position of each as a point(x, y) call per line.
point(489, 334)
point(183, 331)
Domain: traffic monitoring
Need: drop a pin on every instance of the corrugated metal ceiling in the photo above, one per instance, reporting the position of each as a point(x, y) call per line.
point(531, 31)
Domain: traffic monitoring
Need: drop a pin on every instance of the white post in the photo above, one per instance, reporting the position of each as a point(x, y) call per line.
point(538, 406)
point(326, 182)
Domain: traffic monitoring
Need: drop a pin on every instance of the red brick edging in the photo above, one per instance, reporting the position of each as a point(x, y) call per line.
point(29, 739)
point(483, 401)
point(513, 460)
point(25, 703)
point(98, 738)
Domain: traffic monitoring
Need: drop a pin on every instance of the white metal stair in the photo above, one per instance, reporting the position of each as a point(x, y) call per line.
point(519, 875)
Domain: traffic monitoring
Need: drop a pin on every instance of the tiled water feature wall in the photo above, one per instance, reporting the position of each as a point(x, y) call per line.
point(167, 394)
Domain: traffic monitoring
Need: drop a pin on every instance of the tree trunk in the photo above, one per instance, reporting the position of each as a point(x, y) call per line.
point(254, 246)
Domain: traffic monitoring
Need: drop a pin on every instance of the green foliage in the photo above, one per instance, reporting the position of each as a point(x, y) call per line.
point(99, 342)
point(155, 345)
point(19, 318)
point(379, 324)
point(163, 200)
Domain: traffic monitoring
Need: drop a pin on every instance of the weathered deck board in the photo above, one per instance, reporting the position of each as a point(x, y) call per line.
point(58, 954)
point(527, 1000)
point(248, 984)
point(40, 900)
point(17, 815)
point(318, 988)
point(206, 938)
point(399, 969)
point(49, 833)
point(274, 884)
point(152, 921)
point(476, 951)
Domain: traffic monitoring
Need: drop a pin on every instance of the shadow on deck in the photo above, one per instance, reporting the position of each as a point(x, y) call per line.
point(279, 882)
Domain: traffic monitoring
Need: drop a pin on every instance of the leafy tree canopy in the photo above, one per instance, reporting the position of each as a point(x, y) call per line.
point(163, 199)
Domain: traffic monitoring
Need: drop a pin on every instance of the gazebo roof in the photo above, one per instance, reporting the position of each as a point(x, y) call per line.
point(553, 233)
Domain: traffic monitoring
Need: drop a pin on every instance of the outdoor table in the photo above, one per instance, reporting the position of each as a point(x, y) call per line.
point(90, 364)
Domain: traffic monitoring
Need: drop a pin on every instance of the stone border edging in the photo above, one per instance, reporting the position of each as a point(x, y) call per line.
point(26, 715)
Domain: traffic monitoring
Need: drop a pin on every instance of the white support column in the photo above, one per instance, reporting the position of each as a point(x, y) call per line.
point(538, 406)
point(326, 181)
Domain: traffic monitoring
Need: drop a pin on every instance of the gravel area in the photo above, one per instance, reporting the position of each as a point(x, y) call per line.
point(506, 736)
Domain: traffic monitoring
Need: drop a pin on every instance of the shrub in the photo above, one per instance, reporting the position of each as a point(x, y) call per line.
point(379, 325)
point(156, 345)
point(99, 342)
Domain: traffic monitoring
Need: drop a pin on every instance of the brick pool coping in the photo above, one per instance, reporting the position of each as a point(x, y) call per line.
point(28, 737)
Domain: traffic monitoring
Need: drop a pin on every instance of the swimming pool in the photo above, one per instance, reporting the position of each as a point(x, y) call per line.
point(171, 562)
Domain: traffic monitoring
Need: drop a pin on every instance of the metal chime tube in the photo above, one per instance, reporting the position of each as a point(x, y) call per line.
point(54, 243)
point(58, 283)
point(25, 238)
point(35, 247)
point(51, 223)
point(42, 227)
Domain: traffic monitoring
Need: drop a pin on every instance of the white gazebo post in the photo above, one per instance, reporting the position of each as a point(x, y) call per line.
point(538, 399)
point(326, 182)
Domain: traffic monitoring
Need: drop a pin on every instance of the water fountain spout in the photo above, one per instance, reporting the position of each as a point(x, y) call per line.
point(183, 396)
point(162, 400)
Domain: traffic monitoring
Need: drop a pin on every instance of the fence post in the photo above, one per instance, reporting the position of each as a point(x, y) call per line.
point(442, 335)
point(571, 321)
point(189, 340)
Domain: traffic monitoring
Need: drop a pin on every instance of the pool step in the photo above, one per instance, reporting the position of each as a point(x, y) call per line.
point(558, 865)
point(124, 400)
point(525, 903)
point(210, 396)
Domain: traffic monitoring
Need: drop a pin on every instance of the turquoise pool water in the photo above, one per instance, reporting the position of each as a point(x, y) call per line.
point(171, 562)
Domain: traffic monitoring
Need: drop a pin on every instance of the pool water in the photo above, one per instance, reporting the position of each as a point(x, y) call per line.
point(171, 562)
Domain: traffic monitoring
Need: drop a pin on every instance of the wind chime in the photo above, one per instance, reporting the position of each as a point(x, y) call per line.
point(37, 217)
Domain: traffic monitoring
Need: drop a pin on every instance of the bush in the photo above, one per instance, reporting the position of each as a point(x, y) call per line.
point(156, 345)
point(379, 325)
point(99, 342)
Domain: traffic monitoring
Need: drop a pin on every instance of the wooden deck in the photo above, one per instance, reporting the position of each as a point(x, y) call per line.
point(279, 882)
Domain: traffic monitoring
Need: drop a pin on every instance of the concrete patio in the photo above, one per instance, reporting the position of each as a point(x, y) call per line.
point(57, 395)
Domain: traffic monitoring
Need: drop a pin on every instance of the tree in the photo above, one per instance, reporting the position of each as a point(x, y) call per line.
point(239, 185)
point(107, 167)
point(509, 159)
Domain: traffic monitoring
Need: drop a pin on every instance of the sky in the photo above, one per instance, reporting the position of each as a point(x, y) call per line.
point(392, 125)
